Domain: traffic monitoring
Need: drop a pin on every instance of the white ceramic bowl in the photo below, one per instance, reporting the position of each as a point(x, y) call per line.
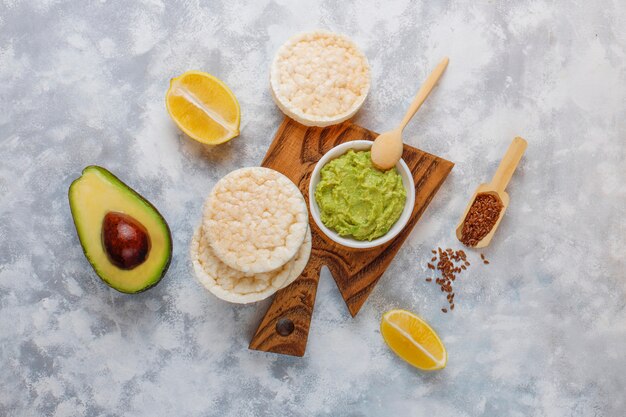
point(407, 181)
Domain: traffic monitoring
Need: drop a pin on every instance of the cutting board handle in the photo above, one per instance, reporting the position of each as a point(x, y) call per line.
point(285, 326)
point(510, 161)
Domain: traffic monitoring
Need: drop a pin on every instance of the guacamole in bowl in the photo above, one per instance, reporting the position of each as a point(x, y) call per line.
point(357, 200)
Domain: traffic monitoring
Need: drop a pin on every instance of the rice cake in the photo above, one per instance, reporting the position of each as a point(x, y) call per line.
point(257, 219)
point(238, 287)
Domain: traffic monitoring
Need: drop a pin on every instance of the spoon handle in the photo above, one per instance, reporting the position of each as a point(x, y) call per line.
point(424, 91)
point(507, 167)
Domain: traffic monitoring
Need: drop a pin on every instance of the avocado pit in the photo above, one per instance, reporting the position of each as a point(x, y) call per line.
point(125, 240)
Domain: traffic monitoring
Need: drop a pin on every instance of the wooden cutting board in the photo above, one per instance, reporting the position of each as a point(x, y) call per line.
point(294, 152)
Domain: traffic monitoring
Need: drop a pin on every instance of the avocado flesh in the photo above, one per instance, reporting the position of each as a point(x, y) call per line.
point(94, 194)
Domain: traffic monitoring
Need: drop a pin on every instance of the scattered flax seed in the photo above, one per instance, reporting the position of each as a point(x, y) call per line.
point(480, 219)
point(450, 264)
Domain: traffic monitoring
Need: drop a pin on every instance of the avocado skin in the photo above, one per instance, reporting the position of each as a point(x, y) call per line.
point(108, 173)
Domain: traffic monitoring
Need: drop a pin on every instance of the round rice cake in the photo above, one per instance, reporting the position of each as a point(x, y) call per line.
point(319, 78)
point(239, 287)
point(257, 219)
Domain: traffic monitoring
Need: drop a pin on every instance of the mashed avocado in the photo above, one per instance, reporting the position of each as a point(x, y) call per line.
point(357, 200)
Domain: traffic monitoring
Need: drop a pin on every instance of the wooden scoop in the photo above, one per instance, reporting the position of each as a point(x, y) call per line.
point(387, 148)
point(497, 186)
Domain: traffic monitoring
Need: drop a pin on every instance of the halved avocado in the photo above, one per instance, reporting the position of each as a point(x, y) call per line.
point(97, 194)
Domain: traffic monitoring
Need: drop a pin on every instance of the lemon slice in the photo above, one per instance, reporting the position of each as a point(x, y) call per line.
point(203, 107)
point(413, 340)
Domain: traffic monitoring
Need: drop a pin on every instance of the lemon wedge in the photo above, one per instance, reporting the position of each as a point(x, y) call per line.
point(203, 107)
point(413, 340)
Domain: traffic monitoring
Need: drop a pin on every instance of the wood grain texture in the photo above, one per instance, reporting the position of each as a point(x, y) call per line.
point(294, 152)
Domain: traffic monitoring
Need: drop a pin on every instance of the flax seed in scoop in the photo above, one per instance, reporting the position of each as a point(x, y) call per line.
point(488, 204)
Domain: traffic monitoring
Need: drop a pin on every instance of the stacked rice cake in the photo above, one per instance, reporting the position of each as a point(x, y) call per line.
point(254, 238)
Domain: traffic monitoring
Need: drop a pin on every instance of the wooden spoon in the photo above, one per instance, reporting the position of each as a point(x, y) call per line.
point(387, 148)
point(496, 187)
